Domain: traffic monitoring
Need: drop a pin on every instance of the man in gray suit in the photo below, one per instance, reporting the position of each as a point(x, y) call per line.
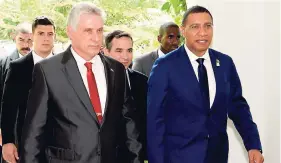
point(79, 108)
point(169, 39)
point(23, 41)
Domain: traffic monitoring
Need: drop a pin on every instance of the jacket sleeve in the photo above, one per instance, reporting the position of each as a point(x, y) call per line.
point(132, 134)
point(33, 140)
point(239, 113)
point(10, 104)
point(157, 91)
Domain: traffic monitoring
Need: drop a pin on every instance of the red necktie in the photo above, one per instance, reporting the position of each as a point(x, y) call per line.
point(93, 89)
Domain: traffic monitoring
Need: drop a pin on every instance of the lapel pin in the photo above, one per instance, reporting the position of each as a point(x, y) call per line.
point(217, 62)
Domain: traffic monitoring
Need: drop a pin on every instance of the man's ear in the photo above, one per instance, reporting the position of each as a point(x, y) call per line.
point(159, 38)
point(69, 32)
point(182, 29)
point(106, 51)
point(13, 36)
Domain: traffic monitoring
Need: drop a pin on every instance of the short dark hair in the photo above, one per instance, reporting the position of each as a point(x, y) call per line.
point(164, 27)
point(115, 34)
point(42, 20)
point(193, 10)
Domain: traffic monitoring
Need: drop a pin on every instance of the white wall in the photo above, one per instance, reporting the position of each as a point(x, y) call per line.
point(249, 31)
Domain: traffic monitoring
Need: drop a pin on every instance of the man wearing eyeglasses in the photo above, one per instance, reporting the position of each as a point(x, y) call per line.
point(18, 83)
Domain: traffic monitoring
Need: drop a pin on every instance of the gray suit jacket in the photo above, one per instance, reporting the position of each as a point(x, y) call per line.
point(144, 63)
point(61, 125)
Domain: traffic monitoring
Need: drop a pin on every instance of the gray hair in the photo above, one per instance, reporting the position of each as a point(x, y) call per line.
point(23, 27)
point(79, 9)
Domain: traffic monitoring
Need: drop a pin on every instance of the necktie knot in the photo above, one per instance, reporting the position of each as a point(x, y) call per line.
point(200, 61)
point(88, 65)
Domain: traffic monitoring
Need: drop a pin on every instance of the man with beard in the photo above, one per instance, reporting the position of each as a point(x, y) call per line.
point(169, 39)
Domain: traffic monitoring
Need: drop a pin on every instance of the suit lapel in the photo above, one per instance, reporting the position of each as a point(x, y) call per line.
point(154, 56)
point(29, 65)
point(14, 55)
point(190, 82)
point(74, 77)
point(30, 62)
point(219, 79)
point(131, 78)
point(109, 75)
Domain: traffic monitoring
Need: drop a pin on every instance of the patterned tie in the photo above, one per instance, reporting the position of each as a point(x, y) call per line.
point(93, 89)
point(203, 80)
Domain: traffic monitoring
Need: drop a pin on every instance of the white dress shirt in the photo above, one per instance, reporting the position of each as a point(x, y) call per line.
point(37, 58)
point(98, 70)
point(160, 53)
point(210, 72)
point(128, 78)
point(20, 55)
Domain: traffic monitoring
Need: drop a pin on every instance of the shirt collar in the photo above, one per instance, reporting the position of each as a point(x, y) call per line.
point(160, 53)
point(193, 57)
point(37, 58)
point(82, 61)
point(20, 55)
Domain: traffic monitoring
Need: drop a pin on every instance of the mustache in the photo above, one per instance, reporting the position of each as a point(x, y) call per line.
point(27, 48)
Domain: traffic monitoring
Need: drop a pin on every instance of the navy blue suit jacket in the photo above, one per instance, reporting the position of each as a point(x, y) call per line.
point(181, 128)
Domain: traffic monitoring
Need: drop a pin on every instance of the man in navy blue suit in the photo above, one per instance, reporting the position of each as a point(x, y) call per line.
point(192, 91)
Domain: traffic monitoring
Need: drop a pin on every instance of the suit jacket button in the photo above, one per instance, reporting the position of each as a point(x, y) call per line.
point(98, 152)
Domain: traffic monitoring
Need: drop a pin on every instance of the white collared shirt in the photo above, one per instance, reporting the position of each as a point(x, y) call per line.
point(128, 78)
point(160, 53)
point(37, 58)
point(20, 55)
point(210, 72)
point(98, 70)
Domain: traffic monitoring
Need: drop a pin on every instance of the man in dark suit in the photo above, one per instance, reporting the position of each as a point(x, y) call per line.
point(119, 45)
point(169, 39)
point(23, 44)
point(192, 91)
point(79, 108)
point(18, 83)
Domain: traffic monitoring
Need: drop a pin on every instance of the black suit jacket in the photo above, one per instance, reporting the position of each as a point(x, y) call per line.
point(138, 83)
point(16, 89)
point(61, 125)
point(5, 61)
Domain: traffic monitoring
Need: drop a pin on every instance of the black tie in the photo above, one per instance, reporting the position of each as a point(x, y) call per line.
point(203, 80)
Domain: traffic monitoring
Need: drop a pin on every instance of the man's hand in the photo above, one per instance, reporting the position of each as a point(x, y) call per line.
point(0, 137)
point(255, 156)
point(10, 153)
